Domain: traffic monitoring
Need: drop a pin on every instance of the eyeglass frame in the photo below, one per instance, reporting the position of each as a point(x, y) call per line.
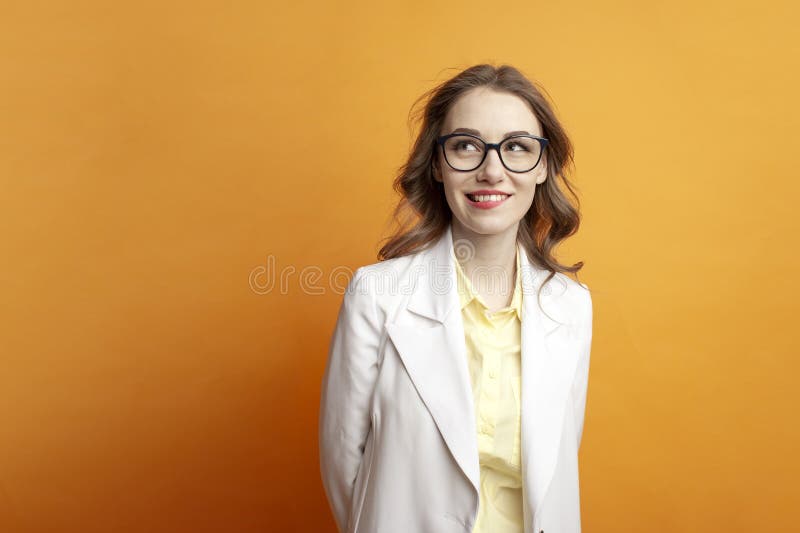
point(492, 146)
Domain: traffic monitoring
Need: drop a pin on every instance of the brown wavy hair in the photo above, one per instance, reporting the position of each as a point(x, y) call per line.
point(422, 214)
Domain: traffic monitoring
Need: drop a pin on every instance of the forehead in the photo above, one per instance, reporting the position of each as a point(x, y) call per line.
point(491, 112)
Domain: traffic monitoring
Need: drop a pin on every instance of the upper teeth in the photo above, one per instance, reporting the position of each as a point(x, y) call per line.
point(488, 198)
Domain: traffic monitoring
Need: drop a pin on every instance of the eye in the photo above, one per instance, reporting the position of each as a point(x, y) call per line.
point(514, 146)
point(466, 146)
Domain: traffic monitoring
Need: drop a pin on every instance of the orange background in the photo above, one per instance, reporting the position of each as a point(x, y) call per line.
point(154, 156)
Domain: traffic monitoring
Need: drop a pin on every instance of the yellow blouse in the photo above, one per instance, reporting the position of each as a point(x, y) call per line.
point(493, 351)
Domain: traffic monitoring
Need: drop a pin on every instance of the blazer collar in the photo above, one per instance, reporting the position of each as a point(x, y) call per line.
point(436, 271)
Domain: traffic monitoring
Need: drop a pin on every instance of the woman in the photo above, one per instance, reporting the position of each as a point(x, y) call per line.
point(454, 394)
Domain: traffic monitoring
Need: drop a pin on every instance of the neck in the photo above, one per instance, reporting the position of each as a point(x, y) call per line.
point(486, 251)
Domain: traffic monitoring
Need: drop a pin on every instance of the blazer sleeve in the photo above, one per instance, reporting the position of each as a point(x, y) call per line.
point(347, 386)
point(581, 382)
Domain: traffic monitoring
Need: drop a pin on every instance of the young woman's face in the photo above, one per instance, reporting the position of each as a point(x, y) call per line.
point(492, 115)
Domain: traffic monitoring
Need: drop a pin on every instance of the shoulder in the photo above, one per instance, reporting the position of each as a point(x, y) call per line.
point(384, 274)
point(571, 287)
point(574, 296)
point(385, 284)
point(394, 266)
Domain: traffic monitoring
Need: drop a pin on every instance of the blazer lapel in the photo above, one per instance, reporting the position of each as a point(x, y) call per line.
point(432, 346)
point(430, 342)
point(549, 358)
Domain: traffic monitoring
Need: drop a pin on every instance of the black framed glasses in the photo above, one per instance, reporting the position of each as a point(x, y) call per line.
point(465, 152)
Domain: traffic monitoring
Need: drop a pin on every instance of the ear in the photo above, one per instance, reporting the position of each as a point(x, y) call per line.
point(435, 171)
point(542, 173)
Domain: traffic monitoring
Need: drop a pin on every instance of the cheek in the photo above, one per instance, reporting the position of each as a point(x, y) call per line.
point(452, 193)
point(526, 198)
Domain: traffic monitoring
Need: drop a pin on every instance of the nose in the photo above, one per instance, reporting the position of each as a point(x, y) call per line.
point(492, 168)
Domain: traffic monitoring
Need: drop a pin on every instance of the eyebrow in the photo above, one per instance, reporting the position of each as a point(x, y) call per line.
point(478, 133)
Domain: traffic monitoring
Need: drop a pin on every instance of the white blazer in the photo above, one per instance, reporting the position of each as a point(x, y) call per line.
point(397, 437)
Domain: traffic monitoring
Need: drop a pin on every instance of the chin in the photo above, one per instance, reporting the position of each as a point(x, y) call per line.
point(488, 227)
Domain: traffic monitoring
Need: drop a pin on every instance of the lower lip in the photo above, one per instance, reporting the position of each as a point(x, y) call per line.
point(485, 205)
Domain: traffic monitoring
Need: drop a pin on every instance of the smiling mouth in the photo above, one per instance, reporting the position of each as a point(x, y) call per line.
point(487, 197)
